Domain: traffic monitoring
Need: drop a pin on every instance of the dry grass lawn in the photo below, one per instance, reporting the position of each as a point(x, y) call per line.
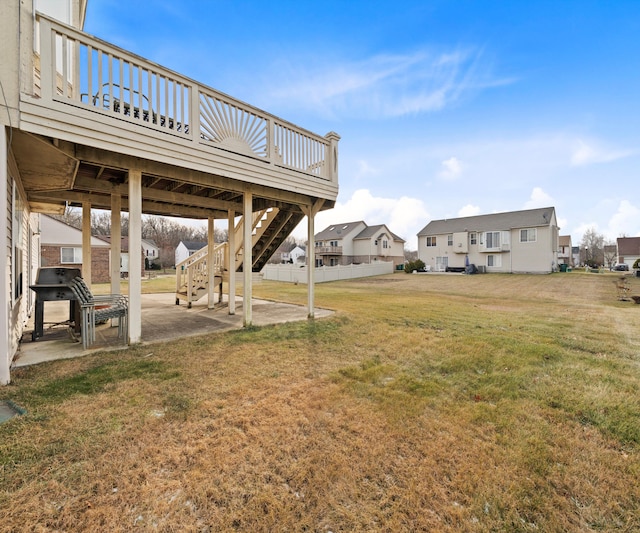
point(427, 403)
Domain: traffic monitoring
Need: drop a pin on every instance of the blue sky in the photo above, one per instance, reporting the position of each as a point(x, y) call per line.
point(445, 108)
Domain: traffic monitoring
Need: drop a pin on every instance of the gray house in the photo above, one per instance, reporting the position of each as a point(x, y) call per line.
point(515, 241)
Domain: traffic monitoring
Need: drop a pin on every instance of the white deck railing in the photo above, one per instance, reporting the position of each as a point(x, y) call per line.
point(76, 69)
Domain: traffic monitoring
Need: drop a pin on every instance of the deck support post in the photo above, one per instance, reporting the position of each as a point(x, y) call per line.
point(116, 242)
point(211, 274)
point(135, 256)
point(231, 260)
point(311, 211)
point(86, 243)
point(247, 259)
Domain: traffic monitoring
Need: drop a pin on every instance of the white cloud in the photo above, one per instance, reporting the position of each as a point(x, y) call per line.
point(364, 169)
point(626, 220)
point(538, 198)
point(386, 85)
point(404, 216)
point(592, 152)
point(469, 211)
point(450, 169)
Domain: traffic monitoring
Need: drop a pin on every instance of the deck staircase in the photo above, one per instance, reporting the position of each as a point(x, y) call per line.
point(270, 227)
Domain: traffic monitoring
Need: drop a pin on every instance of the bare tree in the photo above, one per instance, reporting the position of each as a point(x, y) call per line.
point(593, 247)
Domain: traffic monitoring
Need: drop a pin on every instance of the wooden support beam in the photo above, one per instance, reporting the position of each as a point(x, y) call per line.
point(86, 243)
point(135, 256)
point(247, 259)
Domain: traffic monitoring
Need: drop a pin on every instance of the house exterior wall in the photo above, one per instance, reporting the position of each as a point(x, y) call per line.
point(57, 235)
point(181, 253)
point(18, 237)
point(51, 255)
point(448, 250)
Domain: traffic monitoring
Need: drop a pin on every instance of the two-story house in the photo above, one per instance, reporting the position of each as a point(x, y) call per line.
point(356, 242)
point(516, 241)
point(628, 250)
point(89, 124)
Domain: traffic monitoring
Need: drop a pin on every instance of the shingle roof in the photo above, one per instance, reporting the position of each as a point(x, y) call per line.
point(337, 231)
point(629, 245)
point(564, 240)
point(370, 231)
point(194, 246)
point(496, 221)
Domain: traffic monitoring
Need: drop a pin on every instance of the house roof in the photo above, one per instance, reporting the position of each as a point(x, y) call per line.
point(338, 231)
point(629, 245)
point(371, 231)
point(194, 246)
point(495, 221)
point(54, 232)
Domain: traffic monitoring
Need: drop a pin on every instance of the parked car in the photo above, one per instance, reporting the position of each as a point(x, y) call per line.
point(621, 267)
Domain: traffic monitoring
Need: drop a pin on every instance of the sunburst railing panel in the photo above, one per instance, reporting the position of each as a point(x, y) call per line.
point(227, 125)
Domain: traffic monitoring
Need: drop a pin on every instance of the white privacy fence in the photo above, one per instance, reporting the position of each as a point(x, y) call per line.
point(298, 274)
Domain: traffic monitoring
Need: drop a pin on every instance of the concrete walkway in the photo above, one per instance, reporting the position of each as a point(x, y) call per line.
point(162, 320)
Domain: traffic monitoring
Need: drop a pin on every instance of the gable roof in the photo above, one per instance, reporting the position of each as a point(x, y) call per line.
point(629, 245)
point(338, 231)
point(194, 246)
point(564, 240)
point(371, 231)
point(54, 232)
point(495, 221)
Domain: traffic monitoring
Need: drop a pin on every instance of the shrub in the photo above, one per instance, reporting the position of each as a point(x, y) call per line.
point(411, 266)
point(636, 264)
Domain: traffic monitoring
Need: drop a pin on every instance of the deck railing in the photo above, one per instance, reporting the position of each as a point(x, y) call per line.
point(74, 68)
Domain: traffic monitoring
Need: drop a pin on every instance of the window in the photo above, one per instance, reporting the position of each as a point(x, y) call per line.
point(431, 241)
point(473, 238)
point(385, 244)
point(492, 239)
point(333, 243)
point(71, 255)
point(494, 260)
point(450, 239)
point(528, 235)
point(318, 243)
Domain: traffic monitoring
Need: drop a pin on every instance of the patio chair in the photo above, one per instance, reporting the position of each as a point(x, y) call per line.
point(96, 309)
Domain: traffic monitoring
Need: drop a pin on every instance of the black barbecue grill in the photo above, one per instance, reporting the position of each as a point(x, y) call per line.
point(52, 284)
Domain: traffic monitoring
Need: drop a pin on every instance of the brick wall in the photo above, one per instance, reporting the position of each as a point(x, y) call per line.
point(50, 256)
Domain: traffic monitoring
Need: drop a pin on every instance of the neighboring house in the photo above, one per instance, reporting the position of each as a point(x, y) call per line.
point(575, 255)
point(565, 250)
point(187, 248)
point(628, 250)
point(61, 245)
point(516, 241)
point(289, 253)
point(150, 251)
point(355, 242)
point(85, 123)
point(124, 256)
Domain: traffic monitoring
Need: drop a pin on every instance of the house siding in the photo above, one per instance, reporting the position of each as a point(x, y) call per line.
point(513, 256)
point(100, 261)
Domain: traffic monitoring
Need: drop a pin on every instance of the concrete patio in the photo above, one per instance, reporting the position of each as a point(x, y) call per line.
point(162, 320)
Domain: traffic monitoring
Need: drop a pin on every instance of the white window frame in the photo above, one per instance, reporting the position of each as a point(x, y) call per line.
point(494, 260)
point(529, 234)
point(473, 238)
point(77, 255)
point(431, 242)
point(492, 236)
point(450, 239)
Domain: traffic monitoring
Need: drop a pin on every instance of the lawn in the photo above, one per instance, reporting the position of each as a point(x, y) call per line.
point(426, 403)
